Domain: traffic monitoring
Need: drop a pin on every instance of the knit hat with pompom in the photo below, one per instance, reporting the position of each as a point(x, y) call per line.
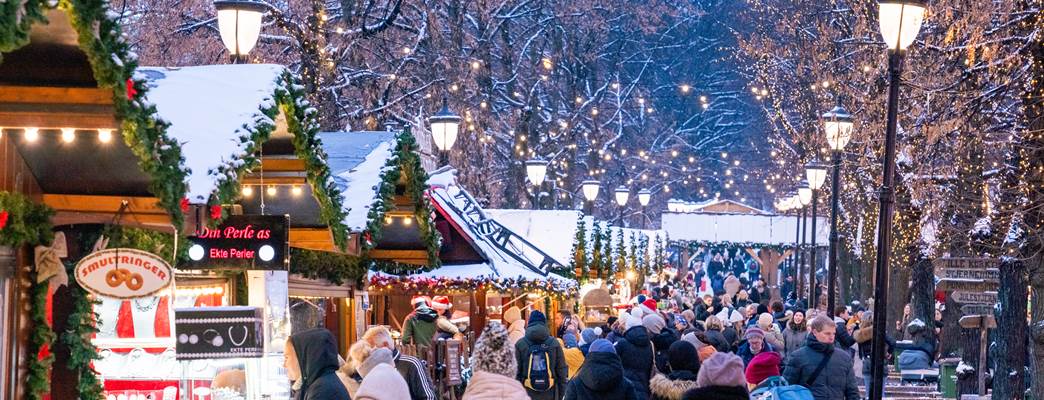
point(494, 353)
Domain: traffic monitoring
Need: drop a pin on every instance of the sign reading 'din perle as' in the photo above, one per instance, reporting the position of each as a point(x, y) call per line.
point(242, 242)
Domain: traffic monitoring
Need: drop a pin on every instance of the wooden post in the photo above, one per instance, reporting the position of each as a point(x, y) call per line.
point(477, 317)
point(984, 322)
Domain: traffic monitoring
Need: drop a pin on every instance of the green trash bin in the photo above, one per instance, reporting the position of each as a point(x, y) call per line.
point(948, 377)
point(895, 354)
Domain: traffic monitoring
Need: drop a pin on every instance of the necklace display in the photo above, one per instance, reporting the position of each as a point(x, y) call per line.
point(151, 304)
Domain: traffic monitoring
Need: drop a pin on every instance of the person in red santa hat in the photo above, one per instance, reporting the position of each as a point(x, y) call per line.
point(443, 306)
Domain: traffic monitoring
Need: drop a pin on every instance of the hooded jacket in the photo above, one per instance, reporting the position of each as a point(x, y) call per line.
point(747, 354)
point(662, 342)
point(316, 353)
point(601, 378)
point(636, 355)
point(717, 339)
point(380, 378)
point(420, 328)
point(416, 376)
point(672, 386)
point(836, 381)
point(490, 386)
point(717, 393)
point(537, 333)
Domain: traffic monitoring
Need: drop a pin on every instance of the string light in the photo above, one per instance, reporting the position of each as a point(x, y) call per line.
point(105, 135)
point(31, 134)
point(68, 135)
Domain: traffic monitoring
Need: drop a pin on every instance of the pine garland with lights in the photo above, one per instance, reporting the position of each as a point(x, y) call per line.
point(23, 222)
point(404, 167)
point(333, 267)
point(597, 249)
point(416, 285)
point(579, 263)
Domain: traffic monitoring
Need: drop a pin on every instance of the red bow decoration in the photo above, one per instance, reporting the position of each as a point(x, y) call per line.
point(131, 91)
point(184, 205)
point(3, 219)
point(215, 212)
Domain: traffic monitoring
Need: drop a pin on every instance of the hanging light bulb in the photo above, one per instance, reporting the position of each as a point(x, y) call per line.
point(295, 190)
point(105, 135)
point(68, 135)
point(31, 134)
point(271, 191)
point(248, 191)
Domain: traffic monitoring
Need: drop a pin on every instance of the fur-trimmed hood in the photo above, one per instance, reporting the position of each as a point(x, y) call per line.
point(663, 387)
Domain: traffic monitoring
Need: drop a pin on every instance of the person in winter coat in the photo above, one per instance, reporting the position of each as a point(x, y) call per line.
point(698, 340)
point(411, 368)
point(835, 380)
point(753, 344)
point(494, 366)
point(601, 377)
point(795, 333)
point(420, 328)
point(538, 337)
point(864, 337)
point(573, 356)
point(773, 335)
point(715, 337)
point(921, 353)
point(844, 339)
point(380, 379)
point(516, 326)
point(680, 375)
point(636, 354)
point(661, 338)
point(310, 359)
point(587, 336)
point(720, 378)
point(763, 373)
point(706, 308)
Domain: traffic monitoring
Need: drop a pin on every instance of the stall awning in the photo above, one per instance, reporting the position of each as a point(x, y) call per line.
point(299, 286)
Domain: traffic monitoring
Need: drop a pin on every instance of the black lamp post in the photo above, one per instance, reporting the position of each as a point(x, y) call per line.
point(838, 127)
point(804, 198)
point(900, 20)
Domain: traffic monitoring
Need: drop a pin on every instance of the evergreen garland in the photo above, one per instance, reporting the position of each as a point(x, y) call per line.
point(579, 263)
point(621, 253)
point(38, 381)
point(333, 267)
point(78, 340)
point(596, 253)
point(658, 257)
point(23, 222)
point(404, 167)
point(632, 254)
point(155, 242)
point(644, 258)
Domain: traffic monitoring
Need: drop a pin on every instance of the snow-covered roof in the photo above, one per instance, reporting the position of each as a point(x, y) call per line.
point(550, 230)
point(444, 194)
point(209, 109)
point(681, 206)
point(739, 228)
point(357, 160)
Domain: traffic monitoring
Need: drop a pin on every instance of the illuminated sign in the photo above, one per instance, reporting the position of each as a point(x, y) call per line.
point(242, 242)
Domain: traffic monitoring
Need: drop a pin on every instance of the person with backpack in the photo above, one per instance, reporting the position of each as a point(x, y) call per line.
point(637, 355)
point(827, 373)
point(765, 382)
point(680, 375)
point(542, 367)
point(661, 338)
point(601, 377)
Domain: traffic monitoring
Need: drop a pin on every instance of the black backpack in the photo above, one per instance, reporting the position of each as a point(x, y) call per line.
point(539, 378)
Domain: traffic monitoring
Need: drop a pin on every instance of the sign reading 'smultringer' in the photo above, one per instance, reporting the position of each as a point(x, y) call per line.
point(242, 242)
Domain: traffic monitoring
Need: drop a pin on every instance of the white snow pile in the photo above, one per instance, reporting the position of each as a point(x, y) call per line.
point(982, 227)
point(211, 110)
point(965, 369)
point(916, 323)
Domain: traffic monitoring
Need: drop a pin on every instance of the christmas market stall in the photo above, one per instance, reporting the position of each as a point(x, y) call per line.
point(267, 253)
point(91, 189)
point(728, 236)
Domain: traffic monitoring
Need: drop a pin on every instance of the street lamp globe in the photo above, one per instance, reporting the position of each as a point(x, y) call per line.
point(239, 22)
point(900, 21)
point(444, 127)
point(804, 194)
point(644, 196)
point(590, 188)
point(838, 126)
point(536, 170)
point(816, 174)
point(622, 194)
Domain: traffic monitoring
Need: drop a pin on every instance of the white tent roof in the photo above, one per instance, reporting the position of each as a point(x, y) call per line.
point(740, 228)
point(209, 109)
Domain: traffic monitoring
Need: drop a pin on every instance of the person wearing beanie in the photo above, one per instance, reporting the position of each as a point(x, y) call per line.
point(516, 326)
point(648, 307)
point(636, 354)
point(773, 335)
point(601, 377)
point(538, 338)
point(721, 378)
point(587, 336)
point(763, 372)
point(702, 348)
point(420, 328)
point(494, 367)
point(753, 344)
point(573, 356)
point(680, 377)
point(661, 337)
point(380, 378)
point(794, 334)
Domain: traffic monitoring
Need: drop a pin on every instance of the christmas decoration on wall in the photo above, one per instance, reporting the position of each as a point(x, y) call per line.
point(23, 222)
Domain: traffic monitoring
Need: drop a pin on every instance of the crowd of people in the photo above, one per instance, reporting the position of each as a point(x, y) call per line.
point(664, 347)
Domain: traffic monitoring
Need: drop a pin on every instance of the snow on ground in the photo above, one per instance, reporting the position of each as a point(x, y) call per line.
point(356, 161)
point(207, 108)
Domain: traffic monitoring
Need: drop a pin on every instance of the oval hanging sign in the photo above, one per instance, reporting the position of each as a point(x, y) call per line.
point(123, 273)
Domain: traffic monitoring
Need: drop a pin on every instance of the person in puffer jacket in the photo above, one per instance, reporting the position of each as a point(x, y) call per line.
point(683, 367)
point(601, 377)
point(636, 354)
point(420, 328)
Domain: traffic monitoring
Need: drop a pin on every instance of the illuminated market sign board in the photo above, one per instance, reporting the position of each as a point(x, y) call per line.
point(242, 242)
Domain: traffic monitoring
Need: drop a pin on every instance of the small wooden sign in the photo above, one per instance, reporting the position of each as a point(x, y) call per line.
point(123, 273)
point(967, 285)
point(977, 309)
point(987, 274)
point(977, 321)
point(453, 362)
point(970, 297)
point(976, 263)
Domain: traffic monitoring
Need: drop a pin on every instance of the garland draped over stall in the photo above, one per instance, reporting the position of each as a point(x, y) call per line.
point(24, 223)
point(290, 100)
point(113, 64)
point(333, 267)
point(414, 284)
point(404, 167)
